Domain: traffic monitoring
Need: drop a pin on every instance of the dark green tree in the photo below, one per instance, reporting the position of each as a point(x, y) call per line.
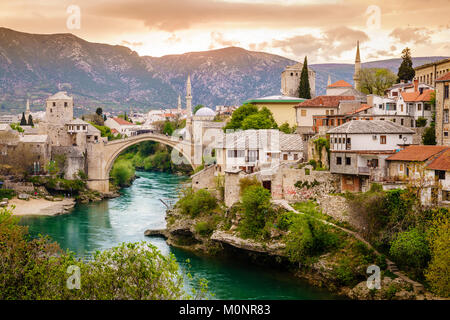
point(30, 120)
point(23, 121)
point(168, 128)
point(197, 107)
point(99, 111)
point(406, 71)
point(239, 115)
point(104, 117)
point(304, 91)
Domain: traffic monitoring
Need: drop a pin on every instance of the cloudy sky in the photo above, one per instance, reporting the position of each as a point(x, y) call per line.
point(324, 30)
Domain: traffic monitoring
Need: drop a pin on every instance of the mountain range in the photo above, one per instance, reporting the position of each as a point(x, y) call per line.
point(115, 77)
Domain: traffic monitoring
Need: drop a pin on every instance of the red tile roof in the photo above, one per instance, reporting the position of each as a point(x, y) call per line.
point(362, 108)
point(122, 122)
point(442, 162)
point(416, 96)
point(114, 131)
point(340, 83)
point(445, 77)
point(417, 153)
point(324, 101)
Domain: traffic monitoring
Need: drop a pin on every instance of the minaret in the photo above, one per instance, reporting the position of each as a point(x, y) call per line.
point(179, 104)
point(329, 80)
point(356, 75)
point(27, 111)
point(188, 98)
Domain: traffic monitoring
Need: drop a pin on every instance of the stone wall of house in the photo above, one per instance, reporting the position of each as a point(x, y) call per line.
point(232, 189)
point(74, 160)
point(204, 179)
point(417, 136)
point(314, 183)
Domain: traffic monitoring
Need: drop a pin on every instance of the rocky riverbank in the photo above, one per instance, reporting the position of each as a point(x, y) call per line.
point(327, 271)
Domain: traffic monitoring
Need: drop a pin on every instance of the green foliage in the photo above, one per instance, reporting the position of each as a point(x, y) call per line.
point(106, 132)
point(321, 143)
point(410, 248)
point(256, 211)
point(306, 184)
point(263, 119)
point(376, 80)
point(16, 127)
point(304, 90)
point(52, 167)
point(195, 203)
point(438, 237)
point(421, 122)
point(429, 136)
point(308, 238)
point(239, 115)
point(197, 107)
point(406, 71)
point(23, 121)
point(7, 193)
point(30, 120)
point(168, 128)
point(36, 269)
point(99, 111)
point(246, 182)
point(286, 129)
point(122, 173)
point(204, 228)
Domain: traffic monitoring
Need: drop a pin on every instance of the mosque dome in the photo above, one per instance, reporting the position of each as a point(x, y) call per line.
point(205, 112)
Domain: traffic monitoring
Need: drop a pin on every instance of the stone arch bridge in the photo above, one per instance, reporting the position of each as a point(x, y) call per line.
point(101, 156)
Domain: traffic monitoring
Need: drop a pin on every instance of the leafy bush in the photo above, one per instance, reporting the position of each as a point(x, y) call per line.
point(196, 203)
point(37, 269)
point(421, 122)
point(256, 210)
point(246, 182)
point(308, 238)
point(438, 236)
point(204, 228)
point(7, 193)
point(410, 248)
point(122, 173)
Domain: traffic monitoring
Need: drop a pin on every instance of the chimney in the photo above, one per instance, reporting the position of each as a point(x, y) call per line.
point(370, 100)
point(416, 85)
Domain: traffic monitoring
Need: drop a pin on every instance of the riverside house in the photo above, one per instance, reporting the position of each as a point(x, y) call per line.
point(359, 148)
point(423, 166)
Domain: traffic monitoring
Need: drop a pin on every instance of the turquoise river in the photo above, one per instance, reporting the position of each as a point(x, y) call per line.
point(102, 225)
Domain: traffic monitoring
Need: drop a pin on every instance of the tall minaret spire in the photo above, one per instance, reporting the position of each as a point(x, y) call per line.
point(188, 97)
point(27, 111)
point(179, 104)
point(356, 75)
point(329, 80)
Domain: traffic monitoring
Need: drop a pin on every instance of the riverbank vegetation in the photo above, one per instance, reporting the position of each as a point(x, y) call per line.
point(38, 269)
point(411, 234)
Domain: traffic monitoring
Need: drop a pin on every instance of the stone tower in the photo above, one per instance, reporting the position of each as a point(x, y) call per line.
point(188, 109)
point(59, 109)
point(290, 80)
point(179, 104)
point(357, 75)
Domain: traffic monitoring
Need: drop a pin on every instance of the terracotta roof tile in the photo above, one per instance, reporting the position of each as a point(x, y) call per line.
point(122, 122)
point(417, 153)
point(410, 96)
point(445, 77)
point(442, 162)
point(340, 83)
point(362, 108)
point(324, 101)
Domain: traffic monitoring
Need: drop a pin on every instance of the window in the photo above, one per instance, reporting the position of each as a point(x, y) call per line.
point(51, 110)
point(252, 155)
point(401, 108)
point(419, 107)
point(65, 104)
point(400, 167)
point(446, 92)
point(303, 113)
point(446, 116)
point(445, 133)
point(349, 180)
point(331, 112)
point(399, 136)
point(285, 156)
point(382, 139)
point(427, 107)
point(338, 160)
point(295, 156)
point(445, 195)
point(54, 104)
point(348, 161)
point(440, 174)
point(402, 122)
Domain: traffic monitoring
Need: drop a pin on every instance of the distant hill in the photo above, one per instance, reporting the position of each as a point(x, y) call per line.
point(116, 77)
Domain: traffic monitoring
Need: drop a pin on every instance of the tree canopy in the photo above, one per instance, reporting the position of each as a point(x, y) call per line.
point(304, 91)
point(406, 71)
point(23, 121)
point(376, 80)
point(248, 116)
point(197, 107)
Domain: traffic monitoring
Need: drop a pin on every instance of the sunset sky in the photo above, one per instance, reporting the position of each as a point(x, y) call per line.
point(324, 30)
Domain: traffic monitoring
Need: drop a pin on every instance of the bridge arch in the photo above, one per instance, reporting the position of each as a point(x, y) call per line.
point(114, 148)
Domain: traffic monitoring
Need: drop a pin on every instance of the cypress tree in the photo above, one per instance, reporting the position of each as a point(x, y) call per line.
point(406, 71)
point(30, 121)
point(304, 90)
point(23, 121)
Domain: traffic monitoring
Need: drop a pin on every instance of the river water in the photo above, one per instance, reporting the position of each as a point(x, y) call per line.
point(102, 225)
